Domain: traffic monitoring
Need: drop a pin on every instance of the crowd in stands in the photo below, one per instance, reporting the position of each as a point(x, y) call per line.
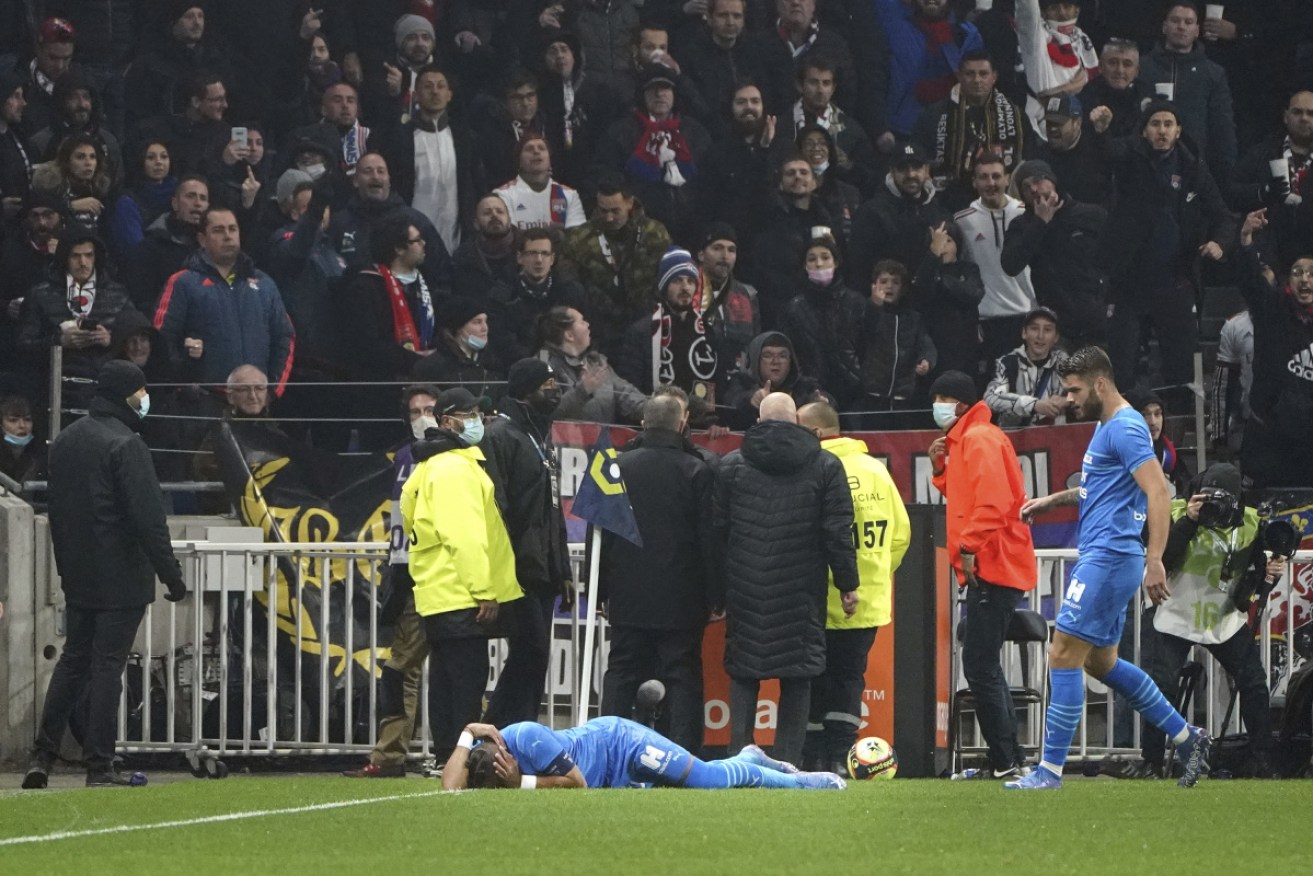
point(837, 199)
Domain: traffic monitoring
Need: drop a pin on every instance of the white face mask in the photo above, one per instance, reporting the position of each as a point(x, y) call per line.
point(314, 171)
point(819, 169)
point(420, 425)
point(145, 407)
point(945, 413)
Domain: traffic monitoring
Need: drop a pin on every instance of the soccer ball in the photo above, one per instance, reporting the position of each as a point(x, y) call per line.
point(872, 758)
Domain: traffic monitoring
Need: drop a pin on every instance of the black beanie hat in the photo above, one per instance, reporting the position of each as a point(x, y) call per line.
point(1222, 476)
point(1156, 106)
point(117, 379)
point(457, 310)
point(955, 385)
point(526, 376)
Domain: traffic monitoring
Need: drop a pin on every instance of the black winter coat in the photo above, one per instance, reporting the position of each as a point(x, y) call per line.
point(1065, 266)
point(1282, 397)
point(163, 251)
point(784, 514)
point(948, 296)
point(825, 325)
point(891, 226)
point(107, 520)
point(670, 583)
point(777, 252)
point(520, 462)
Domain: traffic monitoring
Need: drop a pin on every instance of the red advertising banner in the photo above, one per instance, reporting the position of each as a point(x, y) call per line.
point(1050, 459)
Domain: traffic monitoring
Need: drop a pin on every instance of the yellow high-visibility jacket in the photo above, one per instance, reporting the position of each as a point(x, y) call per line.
point(881, 534)
point(459, 550)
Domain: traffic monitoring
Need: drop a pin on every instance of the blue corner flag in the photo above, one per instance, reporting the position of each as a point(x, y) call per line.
point(601, 498)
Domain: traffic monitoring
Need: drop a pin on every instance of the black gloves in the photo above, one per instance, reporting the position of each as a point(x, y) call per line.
point(177, 590)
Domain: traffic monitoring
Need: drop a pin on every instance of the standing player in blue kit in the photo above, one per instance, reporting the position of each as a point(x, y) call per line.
point(1122, 488)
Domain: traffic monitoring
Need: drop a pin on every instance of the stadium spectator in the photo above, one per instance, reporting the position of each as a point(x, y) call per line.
point(781, 243)
point(23, 457)
point(501, 126)
point(387, 317)
point(948, 291)
point(168, 241)
point(373, 201)
point(896, 223)
point(238, 175)
point(391, 97)
point(29, 251)
point(107, 41)
point(198, 134)
point(522, 463)
point(52, 58)
point(659, 151)
point(896, 349)
point(650, 46)
point(659, 596)
point(1233, 382)
point(1168, 219)
point(1281, 401)
point(769, 365)
point(720, 54)
point(990, 549)
point(605, 31)
point(1025, 389)
point(728, 307)
point(881, 534)
point(306, 267)
point(533, 198)
point(1118, 87)
point(982, 227)
point(460, 354)
point(146, 196)
point(576, 108)
point(784, 516)
point(1058, 240)
point(205, 329)
point(976, 119)
point(486, 257)
point(401, 673)
point(1075, 157)
point(797, 37)
point(1254, 184)
point(75, 306)
point(1151, 407)
point(77, 111)
point(734, 183)
point(670, 345)
point(109, 554)
point(615, 256)
point(515, 308)
point(854, 156)
point(592, 391)
point(841, 200)
point(926, 44)
point(1058, 58)
point(825, 320)
point(461, 561)
point(77, 174)
point(177, 52)
point(16, 155)
point(1179, 70)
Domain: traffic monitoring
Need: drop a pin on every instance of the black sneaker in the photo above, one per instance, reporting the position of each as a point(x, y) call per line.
point(38, 772)
point(1142, 770)
point(107, 779)
point(1013, 772)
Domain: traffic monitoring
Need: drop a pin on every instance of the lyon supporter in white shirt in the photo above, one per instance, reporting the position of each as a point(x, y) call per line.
point(530, 195)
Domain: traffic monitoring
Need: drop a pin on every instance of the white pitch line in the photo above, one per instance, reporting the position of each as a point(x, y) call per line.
point(211, 819)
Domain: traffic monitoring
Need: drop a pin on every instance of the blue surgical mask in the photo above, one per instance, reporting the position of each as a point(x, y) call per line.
point(476, 343)
point(945, 413)
point(473, 432)
point(18, 440)
point(145, 406)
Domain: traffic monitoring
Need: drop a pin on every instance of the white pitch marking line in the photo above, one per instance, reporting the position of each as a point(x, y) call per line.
point(211, 819)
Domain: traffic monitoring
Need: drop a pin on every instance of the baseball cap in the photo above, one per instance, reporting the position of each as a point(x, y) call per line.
point(909, 153)
point(1068, 105)
point(457, 399)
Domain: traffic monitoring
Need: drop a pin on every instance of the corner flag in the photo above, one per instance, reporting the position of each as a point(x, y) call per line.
point(601, 498)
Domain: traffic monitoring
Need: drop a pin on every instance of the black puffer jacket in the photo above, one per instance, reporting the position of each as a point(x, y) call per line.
point(784, 514)
point(107, 520)
point(518, 448)
point(669, 582)
point(825, 324)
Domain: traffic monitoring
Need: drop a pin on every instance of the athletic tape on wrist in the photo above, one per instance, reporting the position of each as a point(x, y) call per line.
point(528, 783)
point(466, 739)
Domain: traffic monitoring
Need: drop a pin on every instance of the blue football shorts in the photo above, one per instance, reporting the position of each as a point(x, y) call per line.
point(1094, 607)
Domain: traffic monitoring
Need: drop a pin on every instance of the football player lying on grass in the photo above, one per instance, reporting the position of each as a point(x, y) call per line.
point(607, 753)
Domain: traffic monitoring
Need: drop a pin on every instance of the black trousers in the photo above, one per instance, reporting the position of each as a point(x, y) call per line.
point(791, 720)
point(94, 657)
point(1163, 657)
point(836, 699)
point(519, 692)
point(1170, 314)
point(998, 335)
point(458, 676)
point(674, 657)
point(989, 611)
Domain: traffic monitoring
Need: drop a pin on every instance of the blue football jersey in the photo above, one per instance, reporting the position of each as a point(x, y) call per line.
point(1113, 508)
point(541, 751)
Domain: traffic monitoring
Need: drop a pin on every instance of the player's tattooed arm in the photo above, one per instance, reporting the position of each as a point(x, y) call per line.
point(1035, 507)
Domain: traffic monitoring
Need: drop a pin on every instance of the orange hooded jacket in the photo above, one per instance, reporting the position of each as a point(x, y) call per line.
point(981, 482)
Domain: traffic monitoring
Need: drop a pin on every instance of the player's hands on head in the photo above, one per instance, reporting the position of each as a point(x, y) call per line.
point(507, 769)
point(488, 733)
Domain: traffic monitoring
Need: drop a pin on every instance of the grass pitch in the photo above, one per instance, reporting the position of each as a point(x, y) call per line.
point(243, 825)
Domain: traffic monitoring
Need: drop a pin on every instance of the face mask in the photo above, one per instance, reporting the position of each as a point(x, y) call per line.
point(945, 413)
point(145, 407)
point(314, 171)
point(475, 342)
point(421, 425)
point(18, 440)
point(473, 432)
point(820, 168)
point(823, 276)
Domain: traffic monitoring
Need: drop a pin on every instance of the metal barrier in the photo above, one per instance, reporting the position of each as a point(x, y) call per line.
point(1096, 736)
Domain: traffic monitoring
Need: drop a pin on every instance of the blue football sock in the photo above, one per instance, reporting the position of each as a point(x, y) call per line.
point(1144, 696)
point(735, 773)
point(1066, 705)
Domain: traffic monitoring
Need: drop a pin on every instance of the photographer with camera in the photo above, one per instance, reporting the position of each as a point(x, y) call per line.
point(1220, 559)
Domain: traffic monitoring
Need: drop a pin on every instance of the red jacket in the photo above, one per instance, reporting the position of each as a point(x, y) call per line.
point(982, 483)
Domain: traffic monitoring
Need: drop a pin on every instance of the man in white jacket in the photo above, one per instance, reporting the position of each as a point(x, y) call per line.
point(1007, 299)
